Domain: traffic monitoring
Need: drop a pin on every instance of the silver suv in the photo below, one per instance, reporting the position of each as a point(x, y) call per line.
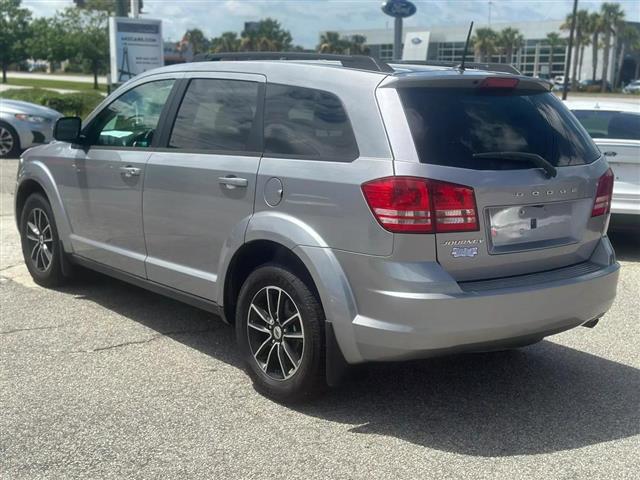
point(336, 211)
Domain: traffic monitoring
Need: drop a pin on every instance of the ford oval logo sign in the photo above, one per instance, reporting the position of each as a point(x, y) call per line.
point(416, 40)
point(398, 8)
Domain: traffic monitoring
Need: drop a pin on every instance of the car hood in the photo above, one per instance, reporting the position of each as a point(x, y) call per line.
point(18, 106)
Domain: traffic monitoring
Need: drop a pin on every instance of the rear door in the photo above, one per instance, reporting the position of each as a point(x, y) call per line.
point(617, 134)
point(199, 190)
point(525, 220)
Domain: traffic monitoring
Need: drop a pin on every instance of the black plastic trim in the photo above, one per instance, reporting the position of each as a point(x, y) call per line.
point(195, 301)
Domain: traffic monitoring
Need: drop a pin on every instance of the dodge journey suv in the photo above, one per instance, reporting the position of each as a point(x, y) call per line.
point(336, 210)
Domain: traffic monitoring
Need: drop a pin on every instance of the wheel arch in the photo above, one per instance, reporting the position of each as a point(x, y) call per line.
point(276, 236)
point(34, 177)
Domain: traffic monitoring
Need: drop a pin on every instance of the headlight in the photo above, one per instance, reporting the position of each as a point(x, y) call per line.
point(30, 118)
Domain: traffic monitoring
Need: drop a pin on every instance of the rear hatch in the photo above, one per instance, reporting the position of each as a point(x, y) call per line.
point(489, 135)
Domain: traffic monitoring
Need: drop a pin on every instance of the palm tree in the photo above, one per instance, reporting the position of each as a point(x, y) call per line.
point(612, 17)
point(357, 45)
point(594, 27)
point(554, 40)
point(510, 39)
point(265, 36)
point(198, 41)
point(227, 42)
point(629, 39)
point(330, 42)
point(484, 44)
point(582, 20)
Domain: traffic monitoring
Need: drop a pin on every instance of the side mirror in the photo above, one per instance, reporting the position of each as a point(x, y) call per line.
point(67, 129)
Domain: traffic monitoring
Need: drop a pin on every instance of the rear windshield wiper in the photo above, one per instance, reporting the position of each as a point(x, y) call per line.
point(532, 158)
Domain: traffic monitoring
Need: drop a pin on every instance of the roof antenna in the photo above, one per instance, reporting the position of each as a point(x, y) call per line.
point(466, 47)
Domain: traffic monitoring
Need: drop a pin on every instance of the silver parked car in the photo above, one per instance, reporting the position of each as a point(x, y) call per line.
point(615, 128)
point(336, 211)
point(24, 124)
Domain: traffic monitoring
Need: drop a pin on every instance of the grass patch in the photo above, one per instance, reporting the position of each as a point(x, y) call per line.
point(72, 104)
point(53, 83)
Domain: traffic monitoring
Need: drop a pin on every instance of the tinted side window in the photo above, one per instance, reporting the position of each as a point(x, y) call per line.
point(216, 115)
point(610, 124)
point(307, 123)
point(131, 120)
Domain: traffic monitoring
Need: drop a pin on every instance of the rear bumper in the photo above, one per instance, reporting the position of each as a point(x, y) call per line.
point(440, 316)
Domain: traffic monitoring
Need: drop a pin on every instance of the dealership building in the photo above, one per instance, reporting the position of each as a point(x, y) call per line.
point(532, 58)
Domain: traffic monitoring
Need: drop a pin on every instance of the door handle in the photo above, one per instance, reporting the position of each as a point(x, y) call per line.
point(232, 181)
point(610, 154)
point(130, 171)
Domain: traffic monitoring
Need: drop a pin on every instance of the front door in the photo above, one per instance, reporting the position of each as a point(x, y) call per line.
point(103, 188)
point(199, 192)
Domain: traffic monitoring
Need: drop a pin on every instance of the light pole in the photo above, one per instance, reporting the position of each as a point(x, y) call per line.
point(398, 9)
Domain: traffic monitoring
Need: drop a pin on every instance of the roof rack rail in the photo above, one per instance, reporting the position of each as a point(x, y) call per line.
point(492, 67)
point(361, 62)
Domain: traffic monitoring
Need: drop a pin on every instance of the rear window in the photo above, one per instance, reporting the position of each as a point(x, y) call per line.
point(610, 124)
point(449, 126)
point(308, 124)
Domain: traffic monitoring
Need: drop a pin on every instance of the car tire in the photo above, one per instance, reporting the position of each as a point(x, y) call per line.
point(41, 247)
point(9, 141)
point(281, 334)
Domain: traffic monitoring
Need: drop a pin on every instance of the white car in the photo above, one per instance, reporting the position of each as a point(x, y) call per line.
point(632, 87)
point(615, 127)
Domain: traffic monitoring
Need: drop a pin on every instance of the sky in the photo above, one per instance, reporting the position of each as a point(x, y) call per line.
point(305, 19)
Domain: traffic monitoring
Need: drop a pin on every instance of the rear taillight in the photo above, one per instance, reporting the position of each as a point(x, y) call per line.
point(604, 191)
point(419, 205)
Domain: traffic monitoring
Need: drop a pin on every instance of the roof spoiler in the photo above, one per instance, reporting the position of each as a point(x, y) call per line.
point(491, 67)
point(361, 62)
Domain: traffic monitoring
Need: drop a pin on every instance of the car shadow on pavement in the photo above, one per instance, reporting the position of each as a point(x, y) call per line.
point(539, 399)
point(626, 243)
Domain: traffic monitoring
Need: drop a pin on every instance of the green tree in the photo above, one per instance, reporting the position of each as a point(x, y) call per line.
point(267, 35)
point(629, 40)
point(356, 45)
point(87, 36)
point(14, 32)
point(48, 40)
point(582, 23)
point(330, 42)
point(612, 18)
point(198, 41)
point(227, 42)
point(509, 39)
point(594, 28)
point(112, 7)
point(484, 44)
point(553, 40)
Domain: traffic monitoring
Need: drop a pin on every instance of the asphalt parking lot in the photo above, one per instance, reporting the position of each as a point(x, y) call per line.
point(104, 380)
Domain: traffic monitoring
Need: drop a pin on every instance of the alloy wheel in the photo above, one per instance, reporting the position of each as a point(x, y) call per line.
point(39, 239)
point(275, 332)
point(6, 141)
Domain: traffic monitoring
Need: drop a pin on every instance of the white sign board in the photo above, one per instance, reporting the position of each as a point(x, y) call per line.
point(416, 45)
point(135, 46)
